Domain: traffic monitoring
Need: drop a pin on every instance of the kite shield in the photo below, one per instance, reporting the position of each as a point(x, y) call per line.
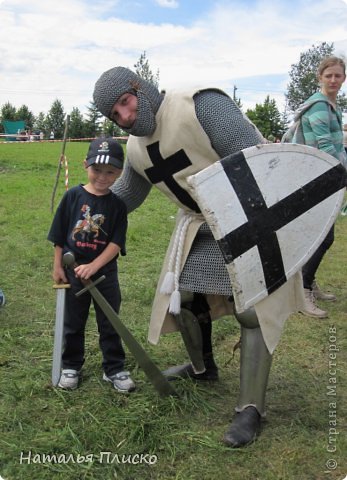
point(269, 207)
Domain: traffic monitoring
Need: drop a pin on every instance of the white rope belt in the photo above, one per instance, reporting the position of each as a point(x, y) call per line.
point(170, 283)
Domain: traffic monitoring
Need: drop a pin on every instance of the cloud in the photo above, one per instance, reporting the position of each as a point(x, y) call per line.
point(167, 3)
point(234, 44)
point(58, 50)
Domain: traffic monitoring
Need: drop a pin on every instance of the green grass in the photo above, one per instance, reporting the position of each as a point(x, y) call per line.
point(183, 433)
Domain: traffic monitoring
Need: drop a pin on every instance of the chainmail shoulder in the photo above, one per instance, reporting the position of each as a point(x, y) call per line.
point(226, 126)
point(131, 187)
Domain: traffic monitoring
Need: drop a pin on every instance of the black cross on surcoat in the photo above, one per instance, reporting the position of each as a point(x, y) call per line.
point(263, 222)
point(163, 170)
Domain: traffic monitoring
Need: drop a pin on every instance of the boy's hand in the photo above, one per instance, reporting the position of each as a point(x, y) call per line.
point(59, 275)
point(85, 271)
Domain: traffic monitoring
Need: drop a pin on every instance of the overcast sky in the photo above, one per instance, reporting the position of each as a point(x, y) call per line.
point(52, 50)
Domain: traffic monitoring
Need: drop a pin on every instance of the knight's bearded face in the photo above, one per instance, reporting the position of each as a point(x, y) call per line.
point(124, 111)
point(115, 83)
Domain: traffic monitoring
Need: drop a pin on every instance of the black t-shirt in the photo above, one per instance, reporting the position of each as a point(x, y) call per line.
point(85, 223)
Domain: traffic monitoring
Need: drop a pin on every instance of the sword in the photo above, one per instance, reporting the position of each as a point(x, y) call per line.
point(58, 331)
point(153, 373)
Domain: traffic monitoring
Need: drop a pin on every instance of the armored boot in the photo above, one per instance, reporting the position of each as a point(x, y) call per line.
point(254, 372)
point(211, 370)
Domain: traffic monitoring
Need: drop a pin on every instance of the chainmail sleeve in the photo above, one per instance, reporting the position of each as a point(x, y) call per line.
point(131, 188)
point(227, 128)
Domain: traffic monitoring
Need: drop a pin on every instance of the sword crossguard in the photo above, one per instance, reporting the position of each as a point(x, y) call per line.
point(90, 285)
point(56, 286)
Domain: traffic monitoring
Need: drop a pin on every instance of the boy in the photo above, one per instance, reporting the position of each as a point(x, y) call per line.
point(91, 222)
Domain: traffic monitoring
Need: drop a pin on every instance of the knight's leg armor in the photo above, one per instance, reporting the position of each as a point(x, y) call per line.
point(255, 367)
point(201, 310)
point(192, 337)
point(195, 326)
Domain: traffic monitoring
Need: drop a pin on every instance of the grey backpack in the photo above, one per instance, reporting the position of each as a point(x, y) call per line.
point(295, 129)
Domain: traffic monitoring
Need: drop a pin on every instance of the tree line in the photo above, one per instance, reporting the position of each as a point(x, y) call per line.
point(54, 121)
point(266, 116)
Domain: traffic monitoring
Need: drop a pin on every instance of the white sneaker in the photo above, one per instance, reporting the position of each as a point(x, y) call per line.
point(311, 309)
point(69, 379)
point(121, 381)
point(319, 295)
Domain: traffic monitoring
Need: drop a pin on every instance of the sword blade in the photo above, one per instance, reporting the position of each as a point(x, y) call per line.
point(58, 332)
point(151, 370)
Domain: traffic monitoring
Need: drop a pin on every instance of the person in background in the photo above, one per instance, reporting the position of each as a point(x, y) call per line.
point(322, 129)
point(91, 222)
point(2, 298)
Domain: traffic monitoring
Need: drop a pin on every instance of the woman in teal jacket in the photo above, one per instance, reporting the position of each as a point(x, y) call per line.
point(321, 125)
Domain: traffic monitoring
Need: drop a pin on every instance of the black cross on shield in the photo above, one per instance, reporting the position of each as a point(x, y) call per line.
point(163, 170)
point(263, 222)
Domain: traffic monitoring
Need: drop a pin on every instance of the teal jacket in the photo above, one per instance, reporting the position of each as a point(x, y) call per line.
point(322, 126)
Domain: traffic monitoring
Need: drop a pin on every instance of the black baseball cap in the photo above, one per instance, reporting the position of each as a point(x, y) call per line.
point(105, 151)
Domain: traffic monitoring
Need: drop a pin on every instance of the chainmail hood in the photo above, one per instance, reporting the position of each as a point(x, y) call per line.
point(119, 80)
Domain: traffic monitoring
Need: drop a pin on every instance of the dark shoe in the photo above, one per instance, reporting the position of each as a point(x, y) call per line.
point(186, 370)
point(211, 372)
point(244, 428)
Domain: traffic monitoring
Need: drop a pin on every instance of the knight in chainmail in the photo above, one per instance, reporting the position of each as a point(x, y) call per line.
point(175, 135)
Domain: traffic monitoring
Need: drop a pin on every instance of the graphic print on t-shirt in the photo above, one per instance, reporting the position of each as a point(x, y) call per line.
point(88, 229)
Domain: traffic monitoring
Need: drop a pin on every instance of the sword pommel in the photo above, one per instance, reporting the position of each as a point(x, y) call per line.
point(69, 259)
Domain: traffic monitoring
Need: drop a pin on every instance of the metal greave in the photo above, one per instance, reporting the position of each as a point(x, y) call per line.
point(194, 324)
point(255, 364)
